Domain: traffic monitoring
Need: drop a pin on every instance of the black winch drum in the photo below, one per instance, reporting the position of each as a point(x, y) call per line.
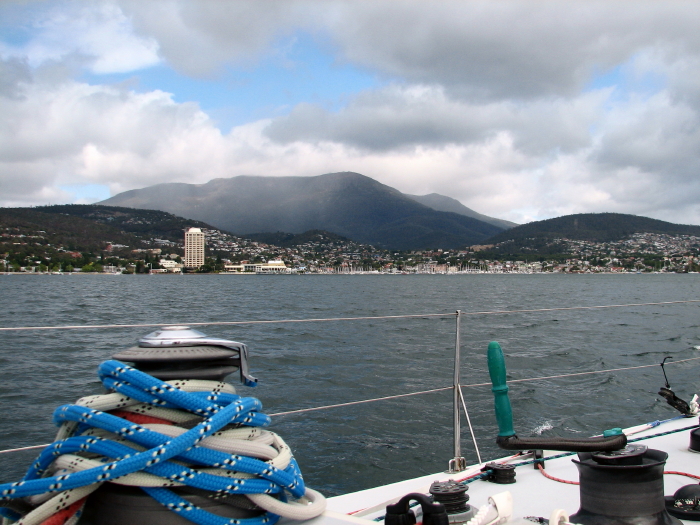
point(622, 488)
point(694, 441)
point(114, 504)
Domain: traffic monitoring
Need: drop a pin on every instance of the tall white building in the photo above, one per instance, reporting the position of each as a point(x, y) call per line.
point(194, 248)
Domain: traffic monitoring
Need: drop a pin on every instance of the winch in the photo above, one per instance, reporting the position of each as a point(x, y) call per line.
point(624, 486)
point(620, 484)
point(179, 352)
point(169, 443)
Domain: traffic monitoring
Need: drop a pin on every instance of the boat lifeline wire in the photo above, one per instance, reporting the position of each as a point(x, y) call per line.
point(364, 318)
point(136, 454)
point(422, 392)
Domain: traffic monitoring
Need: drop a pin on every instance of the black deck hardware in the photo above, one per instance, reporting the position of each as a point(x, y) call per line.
point(670, 396)
point(694, 440)
point(401, 514)
point(538, 456)
point(501, 474)
point(452, 495)
point(625, 486)
point(685, 503)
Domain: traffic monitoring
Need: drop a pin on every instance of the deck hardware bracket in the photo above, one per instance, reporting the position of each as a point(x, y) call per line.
point(670, 396)
point(400, 513)
point(538, 457)
point(458, 464)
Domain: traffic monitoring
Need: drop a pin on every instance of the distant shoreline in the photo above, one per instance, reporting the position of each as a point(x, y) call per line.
point(454, 274)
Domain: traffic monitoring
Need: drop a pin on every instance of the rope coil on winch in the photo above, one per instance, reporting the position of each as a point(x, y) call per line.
point(202, 435)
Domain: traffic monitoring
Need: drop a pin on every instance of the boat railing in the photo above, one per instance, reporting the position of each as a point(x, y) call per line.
point(458, 463)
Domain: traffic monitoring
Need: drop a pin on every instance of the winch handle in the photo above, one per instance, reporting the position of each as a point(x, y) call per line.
point(507, 438)
point(497, 371)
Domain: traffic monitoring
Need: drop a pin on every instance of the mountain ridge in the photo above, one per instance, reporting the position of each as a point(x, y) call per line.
point(600, 227)
point(554, 236)
point(443, 203)
point(346, 203)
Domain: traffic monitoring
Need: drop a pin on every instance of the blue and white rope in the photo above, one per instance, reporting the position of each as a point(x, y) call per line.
point(202, 456)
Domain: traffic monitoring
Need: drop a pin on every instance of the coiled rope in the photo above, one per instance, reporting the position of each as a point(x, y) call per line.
point(184, 432)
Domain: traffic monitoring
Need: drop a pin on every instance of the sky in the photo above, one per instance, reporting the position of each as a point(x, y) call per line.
point(521, 110)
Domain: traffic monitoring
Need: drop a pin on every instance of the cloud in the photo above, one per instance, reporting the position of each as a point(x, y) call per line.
point(96, 34)
point(520, 110)
point(74, 133)
point(475, 50)
point(199, 38)
point(13, 73)
point(397, 117)
point(509, 49)
point(488, 155)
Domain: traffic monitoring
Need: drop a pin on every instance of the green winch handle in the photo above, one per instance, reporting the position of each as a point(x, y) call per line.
point(497, 371)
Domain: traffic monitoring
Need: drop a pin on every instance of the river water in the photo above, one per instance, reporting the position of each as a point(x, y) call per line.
point(301, 365)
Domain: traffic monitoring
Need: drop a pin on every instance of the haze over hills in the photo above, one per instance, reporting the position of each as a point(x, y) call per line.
point(599, 227)
point(347, 204)
point(545, 238)
point(442, 203)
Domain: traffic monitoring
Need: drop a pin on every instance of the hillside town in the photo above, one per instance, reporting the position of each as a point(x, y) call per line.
point(205, 250)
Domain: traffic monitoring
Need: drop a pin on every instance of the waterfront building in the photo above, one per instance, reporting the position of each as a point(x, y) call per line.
point(194, 248)
point(276, 266)
point(170, 266)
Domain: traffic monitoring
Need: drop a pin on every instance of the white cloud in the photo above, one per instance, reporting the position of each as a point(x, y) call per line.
point(75, 133)
point(198, 38)
point(489, 102)
point(97, 34)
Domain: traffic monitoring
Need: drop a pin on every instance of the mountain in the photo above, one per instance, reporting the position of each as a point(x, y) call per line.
point(441, 203)
point(143, 223)
point(544, 238)
point(34, 227)
point(347, 204)
point(290, 240)
point(89, 227)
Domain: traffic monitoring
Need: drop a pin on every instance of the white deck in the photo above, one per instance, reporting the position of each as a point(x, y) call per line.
point(533, 494)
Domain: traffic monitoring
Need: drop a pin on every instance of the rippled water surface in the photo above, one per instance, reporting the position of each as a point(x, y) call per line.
point(313, 364)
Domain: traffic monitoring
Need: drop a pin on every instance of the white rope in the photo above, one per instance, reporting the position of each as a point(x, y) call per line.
point(56, 504)
point(317, 320)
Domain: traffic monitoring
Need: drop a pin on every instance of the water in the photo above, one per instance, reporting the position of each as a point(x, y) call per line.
point(313, 364)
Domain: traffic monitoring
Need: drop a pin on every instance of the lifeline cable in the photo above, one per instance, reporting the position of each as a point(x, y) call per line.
point(398, 396)
point(225, 453)
point(362, 318)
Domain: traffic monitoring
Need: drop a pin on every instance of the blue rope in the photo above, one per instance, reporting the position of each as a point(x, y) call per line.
point(219, 409)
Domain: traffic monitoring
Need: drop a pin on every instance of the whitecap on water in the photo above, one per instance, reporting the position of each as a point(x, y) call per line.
point(547, 425)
